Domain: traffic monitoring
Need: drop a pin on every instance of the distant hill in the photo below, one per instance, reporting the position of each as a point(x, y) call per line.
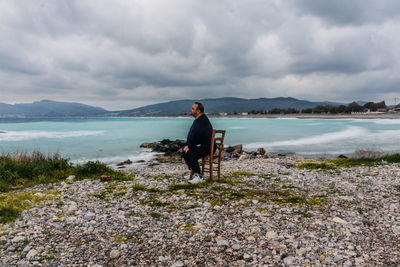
point(47, 108)
point(230, 105)
point(219, 105)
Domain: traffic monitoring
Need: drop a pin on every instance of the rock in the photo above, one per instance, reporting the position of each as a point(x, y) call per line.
point(243, 157)
point(27, 249)
point(105, 178)
point(72, 207)
point(70, 178)
point(347, 263)
point(342, 157)
point(178, 264)
point(396, 229)
point(261, 151)
point(166, 146)
point(114, 254)
point(289, 260)
point(126, 162)
point(18, 239)
point(271, 235)
point(89, 216)
point(236, 247)
point(31, 254)
point(222, 243)
point(246, 256)
point(339, 220)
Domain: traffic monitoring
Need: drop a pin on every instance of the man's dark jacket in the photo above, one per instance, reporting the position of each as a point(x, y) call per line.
point(200, 133)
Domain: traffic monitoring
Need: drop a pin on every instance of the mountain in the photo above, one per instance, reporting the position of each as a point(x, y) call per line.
point(53, 109)
point(223, 105)
point(47, 108)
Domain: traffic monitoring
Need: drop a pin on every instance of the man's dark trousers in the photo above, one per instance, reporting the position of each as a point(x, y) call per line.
point(193, 155)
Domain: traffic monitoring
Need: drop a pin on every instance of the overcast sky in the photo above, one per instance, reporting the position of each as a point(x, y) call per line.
point(121, 54)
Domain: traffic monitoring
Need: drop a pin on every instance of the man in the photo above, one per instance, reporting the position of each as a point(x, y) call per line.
point(198, 143)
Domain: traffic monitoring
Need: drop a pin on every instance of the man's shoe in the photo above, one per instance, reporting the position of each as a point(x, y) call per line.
point(197, 178)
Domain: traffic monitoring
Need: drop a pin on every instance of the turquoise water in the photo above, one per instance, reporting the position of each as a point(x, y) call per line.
point(115, 139)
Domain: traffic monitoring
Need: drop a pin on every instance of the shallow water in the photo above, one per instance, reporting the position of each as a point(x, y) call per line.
point(115, 139)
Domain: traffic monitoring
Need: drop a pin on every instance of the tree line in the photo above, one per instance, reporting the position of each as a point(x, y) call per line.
point(351, 107)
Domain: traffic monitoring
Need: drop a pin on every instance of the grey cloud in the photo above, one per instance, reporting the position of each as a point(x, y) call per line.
point(137, 52)
point(355, 12)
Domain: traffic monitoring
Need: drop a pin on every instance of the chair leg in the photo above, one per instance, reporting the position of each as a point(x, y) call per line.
point(191, 174)
point(203, 163)
point(219, 166)
point(211, 167)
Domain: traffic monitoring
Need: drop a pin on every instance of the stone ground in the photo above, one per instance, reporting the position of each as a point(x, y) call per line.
point(259, 214)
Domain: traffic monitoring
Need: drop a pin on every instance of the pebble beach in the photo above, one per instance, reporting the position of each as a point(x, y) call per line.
point(261, 213)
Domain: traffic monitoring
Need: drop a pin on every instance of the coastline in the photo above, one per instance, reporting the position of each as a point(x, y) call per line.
point(274, 116)
point(261, 213)
point(315, 116)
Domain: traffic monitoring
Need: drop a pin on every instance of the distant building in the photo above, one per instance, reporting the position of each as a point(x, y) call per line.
point(223, 114)
point(245, 113)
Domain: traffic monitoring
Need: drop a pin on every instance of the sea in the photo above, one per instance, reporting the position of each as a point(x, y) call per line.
point(113, 140)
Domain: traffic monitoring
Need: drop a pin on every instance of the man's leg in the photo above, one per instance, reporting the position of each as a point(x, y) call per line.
point(192, 158)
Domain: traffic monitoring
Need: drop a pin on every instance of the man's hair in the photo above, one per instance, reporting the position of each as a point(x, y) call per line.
point(200, 106)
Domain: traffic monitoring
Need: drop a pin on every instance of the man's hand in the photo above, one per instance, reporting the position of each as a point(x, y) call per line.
point(186, 149)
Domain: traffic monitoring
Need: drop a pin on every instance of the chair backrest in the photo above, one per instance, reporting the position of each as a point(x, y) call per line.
point(217, 141)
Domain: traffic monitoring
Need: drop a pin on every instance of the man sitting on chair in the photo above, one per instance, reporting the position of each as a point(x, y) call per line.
point(198, 143)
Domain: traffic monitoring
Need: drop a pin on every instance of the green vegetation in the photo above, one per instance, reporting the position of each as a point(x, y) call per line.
point(155, 214)
point(332, 164)
point(242, 173)
point(123, 238)
point(22, 169)
point(316, 166)
point(139, 187)
point(175, 187)
point(12, 204)
point(327, 109)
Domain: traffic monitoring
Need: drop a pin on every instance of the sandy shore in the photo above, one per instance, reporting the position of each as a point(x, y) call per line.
point(261, 214)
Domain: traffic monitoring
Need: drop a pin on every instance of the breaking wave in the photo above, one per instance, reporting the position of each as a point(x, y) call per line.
point(351, 132)
point(29, 135)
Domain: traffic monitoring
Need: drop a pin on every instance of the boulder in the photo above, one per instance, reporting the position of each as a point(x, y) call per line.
point(261, 151)
point(166, 146)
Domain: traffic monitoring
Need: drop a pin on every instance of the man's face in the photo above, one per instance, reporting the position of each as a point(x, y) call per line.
point(194, 111)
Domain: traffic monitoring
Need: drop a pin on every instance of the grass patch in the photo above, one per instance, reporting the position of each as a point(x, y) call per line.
point(188, 227)
point(351, 162)
point(157, 203)
point(176, 187)
point(139, 187)
point(12, 204)
point(123, 238)
point(267, 175)
point(316, 166)
point(360, 210)
point(155, 214)
point(241, 173)
point(21, 169)
point(305, 214)
point(9, 214)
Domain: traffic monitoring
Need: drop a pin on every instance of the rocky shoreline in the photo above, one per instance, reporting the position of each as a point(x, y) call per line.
point(262, 213)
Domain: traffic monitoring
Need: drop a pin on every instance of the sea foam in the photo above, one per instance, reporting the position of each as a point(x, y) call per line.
point(29, 135)
point(350, 132)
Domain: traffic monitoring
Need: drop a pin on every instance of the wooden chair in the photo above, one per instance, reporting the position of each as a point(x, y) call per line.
point(214, 159)
point(217, 145)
